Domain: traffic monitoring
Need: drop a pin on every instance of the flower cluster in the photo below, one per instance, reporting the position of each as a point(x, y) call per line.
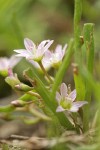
point(66, 100)
point(41, 53)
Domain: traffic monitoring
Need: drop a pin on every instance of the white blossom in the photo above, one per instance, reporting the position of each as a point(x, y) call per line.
point(33, 52)
point(55, 58)
point(66, 101)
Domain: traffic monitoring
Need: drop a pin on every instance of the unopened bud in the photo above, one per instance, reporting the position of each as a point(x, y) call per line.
point(12, 80)
point(23, 87)
point(18, 103)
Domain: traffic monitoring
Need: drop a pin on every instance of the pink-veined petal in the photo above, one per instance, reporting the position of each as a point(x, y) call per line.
point(22, 53)
point(76, 105)
point(58, 49)
point(58, 97)
point(60, 109)
point(80, 103)
point(74, 109)
point(47, 45)
point(46, 59)
point(72, 95)
point(29, 45)
point(42, 44)
point(39, 53)
point(63, 90)
point(48, 54)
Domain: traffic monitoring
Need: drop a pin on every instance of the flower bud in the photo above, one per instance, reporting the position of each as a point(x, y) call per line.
point(18, 103)
point(23, 87)
point(12, 80)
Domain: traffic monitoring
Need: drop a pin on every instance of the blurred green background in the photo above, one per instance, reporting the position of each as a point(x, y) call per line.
point(43, 19)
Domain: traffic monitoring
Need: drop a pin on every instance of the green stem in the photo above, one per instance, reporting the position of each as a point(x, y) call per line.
point(45, 72)
point(79, 83)
point(77, 30)
point(39, 114)
point(7, 108)
point(89, 44)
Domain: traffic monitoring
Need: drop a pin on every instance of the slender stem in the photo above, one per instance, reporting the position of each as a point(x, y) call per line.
point(77, 126)
point(39, 114)
point(79, 82)
point(77, 30)
point(45, 72)
point(89, 44)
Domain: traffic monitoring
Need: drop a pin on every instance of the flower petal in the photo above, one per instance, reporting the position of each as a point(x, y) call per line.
point(48, 54)
point(58, 97)
point(4, 62)
point(42, 44)
point(63, 90)
point(47, 45)
point(22, 53)
point(58, 49)
point(13, 61)
point(34, 63)
point(60, 109)
point(72, 95)
point(74, 109)
point(29, 45)
point(76, 105)
point(46, 63)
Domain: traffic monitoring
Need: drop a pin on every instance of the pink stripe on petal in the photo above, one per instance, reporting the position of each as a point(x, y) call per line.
point(29, 45)
point(63, 90)
point(79, 104)
point(72, 95)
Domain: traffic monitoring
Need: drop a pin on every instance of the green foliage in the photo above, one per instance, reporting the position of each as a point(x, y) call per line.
point(38, 95)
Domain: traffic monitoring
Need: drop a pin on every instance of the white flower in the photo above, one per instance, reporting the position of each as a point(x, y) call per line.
point(46, 64)
point(55, 58)
point(6, 63)
point(66, 100)
point(32, 51)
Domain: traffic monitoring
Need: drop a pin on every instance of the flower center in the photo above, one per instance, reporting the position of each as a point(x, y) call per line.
point(66, 104)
